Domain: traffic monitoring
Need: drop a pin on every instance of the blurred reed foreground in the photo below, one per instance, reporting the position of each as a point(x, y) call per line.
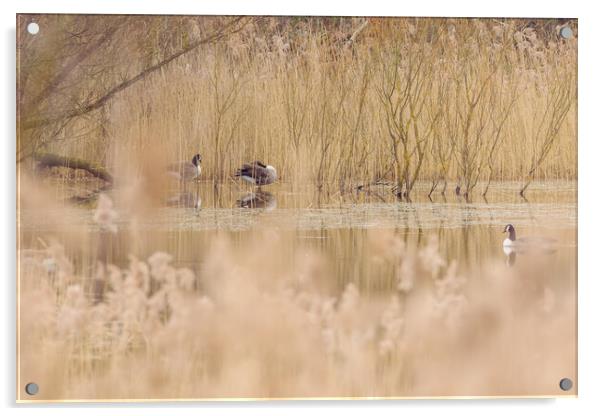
point(332, 287)
point(118, 302)
point(336, 102)
point(266, 319)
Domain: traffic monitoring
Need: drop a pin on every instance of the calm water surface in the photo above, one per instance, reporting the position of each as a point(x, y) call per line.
point(469, 232)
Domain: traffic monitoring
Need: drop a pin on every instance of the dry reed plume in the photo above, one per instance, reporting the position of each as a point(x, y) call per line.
point(252, 324)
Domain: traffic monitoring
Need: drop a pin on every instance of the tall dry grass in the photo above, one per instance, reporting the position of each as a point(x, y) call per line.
point(252, 323)
point(442, 100)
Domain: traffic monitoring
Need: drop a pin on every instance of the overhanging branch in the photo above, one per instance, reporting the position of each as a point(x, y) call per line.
point(231, 28)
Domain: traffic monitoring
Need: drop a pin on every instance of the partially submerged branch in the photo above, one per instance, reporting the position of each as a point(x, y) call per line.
point(49, 160)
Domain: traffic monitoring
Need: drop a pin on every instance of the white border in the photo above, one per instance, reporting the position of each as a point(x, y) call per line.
point(590, 157)
point(463, 8)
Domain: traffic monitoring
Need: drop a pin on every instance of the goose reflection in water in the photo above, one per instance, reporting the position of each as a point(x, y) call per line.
point(510, 258)
point(184, 200)
point(259, 199)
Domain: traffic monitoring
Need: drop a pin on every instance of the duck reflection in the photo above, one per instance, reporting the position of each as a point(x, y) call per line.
point(184, 200)
point(258, 199)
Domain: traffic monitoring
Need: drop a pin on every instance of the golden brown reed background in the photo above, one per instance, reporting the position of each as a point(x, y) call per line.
point(333, 103)
point(336, 102)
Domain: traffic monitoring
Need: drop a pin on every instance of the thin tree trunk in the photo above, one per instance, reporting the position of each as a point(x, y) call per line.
point(487, 185)
point(433, 187)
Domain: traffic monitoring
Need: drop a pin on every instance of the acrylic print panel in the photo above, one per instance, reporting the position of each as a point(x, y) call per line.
point(295, 207)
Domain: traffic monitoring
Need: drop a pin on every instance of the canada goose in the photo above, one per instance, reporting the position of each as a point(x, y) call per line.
point(186, 171)
point(257, 173)
point(511, 244)
point(259, 199)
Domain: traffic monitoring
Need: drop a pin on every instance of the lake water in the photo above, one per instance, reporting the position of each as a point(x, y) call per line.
point(469, 232)
point(493, 323)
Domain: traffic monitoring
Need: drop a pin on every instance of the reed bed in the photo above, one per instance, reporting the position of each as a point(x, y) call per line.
point(341, 103)
point(268, 319)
